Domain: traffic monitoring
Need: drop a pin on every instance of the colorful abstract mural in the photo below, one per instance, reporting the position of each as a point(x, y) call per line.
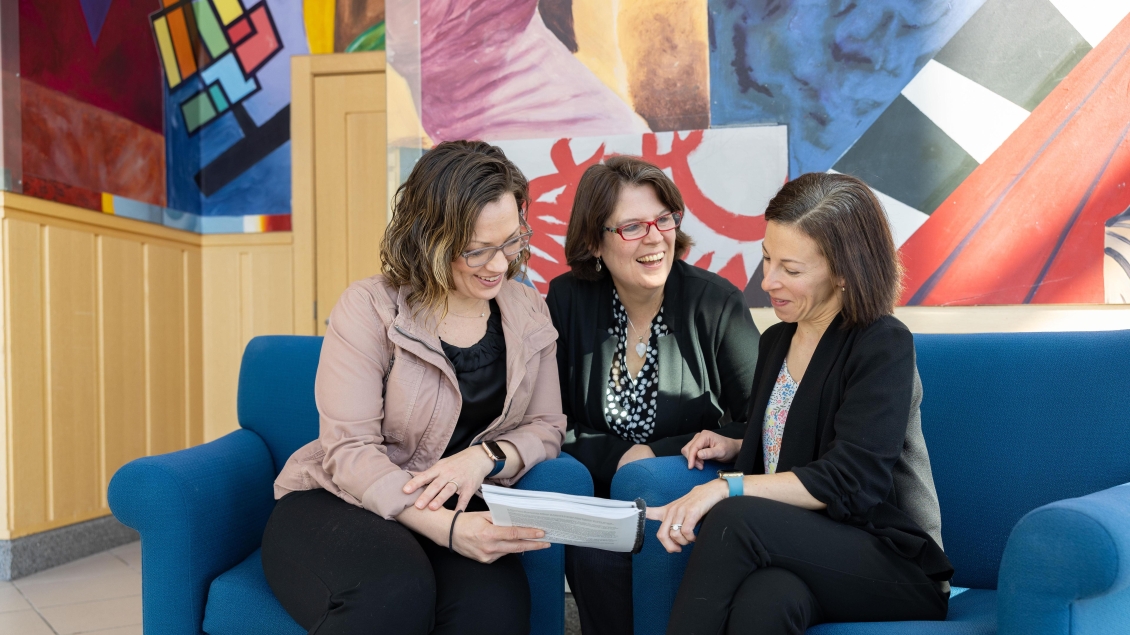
point(173, 111)
point(989, 129)
point(726, 178)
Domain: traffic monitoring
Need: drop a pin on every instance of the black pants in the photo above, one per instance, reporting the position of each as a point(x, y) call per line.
point(601, 582)
point(339, 569)
point(760, 566)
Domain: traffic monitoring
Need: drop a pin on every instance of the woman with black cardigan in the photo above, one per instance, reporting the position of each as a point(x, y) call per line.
point(650, 351)
point(814, 524)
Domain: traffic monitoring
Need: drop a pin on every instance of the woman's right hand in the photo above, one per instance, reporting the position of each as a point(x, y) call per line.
point(477, 538)
point(710, 445)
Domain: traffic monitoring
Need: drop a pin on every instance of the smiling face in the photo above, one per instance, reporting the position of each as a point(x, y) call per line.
point(497, 223)
point(798, 278)
point(638, 266)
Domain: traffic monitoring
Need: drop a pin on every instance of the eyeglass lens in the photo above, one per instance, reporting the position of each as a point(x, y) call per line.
point(634, 231)
point(512, 247)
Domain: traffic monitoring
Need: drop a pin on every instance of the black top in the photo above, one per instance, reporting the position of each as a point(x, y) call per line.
point(481, 371)
point(706, 364)
point(846, 429)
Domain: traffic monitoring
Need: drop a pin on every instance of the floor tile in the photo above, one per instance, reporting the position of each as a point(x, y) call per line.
point(44, 595)
point(124, 630)
point(24, 622)
point(11, 599)
point(131, 553)
point(100, 564)
point(94, 616)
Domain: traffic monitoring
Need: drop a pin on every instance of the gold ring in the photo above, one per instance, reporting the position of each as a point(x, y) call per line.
point(456, 485)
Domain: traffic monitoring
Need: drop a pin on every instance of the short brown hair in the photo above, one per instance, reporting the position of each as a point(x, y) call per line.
point(849, 226)
point(434, 214)
point(595, 200)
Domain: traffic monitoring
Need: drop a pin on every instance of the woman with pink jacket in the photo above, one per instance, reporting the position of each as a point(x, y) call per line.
point(435, 376)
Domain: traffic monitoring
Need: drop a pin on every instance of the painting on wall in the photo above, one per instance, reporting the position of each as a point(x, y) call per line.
point(726, 178)
point(173, 111)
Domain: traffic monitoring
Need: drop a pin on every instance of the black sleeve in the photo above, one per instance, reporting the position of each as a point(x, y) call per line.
point(854, 475)
point(737, 360)
point(597, 450)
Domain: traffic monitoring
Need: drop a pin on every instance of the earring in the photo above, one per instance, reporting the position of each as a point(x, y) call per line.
point(598, 267)
point(842, 289)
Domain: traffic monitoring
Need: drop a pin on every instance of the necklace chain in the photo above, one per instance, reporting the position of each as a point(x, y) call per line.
point(482, 314)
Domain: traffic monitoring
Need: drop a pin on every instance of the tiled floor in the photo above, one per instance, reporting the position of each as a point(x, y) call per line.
point(98, 594)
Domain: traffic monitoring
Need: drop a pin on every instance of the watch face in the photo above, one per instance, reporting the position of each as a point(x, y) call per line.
point(494, 450)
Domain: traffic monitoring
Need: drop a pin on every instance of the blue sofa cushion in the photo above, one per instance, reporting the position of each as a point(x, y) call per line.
point(241, 603)
point(276, 392)
point(973, 612)
point(1015, 421)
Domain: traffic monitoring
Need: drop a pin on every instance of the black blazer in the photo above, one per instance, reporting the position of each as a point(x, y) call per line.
point(706, 364)
point(846, 429)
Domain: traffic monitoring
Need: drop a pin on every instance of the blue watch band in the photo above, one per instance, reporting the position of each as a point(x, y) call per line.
point(737, 485)
point(498, 465)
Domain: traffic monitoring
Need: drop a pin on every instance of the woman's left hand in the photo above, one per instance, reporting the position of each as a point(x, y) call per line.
point(685, 513)
point(461, 473)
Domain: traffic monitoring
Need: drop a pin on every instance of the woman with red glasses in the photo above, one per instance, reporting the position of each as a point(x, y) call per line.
point(651, 350)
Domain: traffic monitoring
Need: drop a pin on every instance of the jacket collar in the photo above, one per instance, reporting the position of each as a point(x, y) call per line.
point(672, 299)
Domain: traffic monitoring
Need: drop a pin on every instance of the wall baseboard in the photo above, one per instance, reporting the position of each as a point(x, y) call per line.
point(30, 554)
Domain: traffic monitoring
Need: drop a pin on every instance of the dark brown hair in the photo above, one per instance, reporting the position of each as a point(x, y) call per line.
point(849, 226)
point(595, 200)
point(434, 214)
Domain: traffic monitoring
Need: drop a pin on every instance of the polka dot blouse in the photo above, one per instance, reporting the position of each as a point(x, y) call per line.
point(629, 403)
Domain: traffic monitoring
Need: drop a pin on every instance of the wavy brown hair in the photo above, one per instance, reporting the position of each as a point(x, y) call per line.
point(595, 201)
point(849, 226)
point(434, 214)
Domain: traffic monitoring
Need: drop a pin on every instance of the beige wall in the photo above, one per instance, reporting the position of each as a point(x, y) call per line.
point(102, 329)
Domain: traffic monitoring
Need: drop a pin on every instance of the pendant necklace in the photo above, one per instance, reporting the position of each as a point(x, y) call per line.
point(641, 348)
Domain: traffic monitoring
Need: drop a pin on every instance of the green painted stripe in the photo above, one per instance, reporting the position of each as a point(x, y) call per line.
point(210, 28)
point(198, 111)
point(218, 97)
point(372, 39)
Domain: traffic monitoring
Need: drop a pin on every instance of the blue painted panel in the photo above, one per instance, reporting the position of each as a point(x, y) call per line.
point(826, 69)
point(182, 153)
point(263, 189)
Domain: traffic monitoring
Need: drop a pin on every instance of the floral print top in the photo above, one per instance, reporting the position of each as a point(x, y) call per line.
point(773, 428)
point(629, 402)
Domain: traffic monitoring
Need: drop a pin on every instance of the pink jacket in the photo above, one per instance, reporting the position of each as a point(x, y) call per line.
point(388, 398)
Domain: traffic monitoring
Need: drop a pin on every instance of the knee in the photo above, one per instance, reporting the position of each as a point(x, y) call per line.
point(734, 516)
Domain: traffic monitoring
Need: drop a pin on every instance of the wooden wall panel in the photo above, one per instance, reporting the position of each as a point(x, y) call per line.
point(27, 387)
point(122, 293)
point(165, 357)
point(365, 156)
point(103, 337)
point(248, 291)
point(72, 374)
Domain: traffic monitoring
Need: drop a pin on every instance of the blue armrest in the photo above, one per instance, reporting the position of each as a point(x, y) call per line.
point(1066, 568)
point(200, 512)
point(545, 569)
point(656, 574)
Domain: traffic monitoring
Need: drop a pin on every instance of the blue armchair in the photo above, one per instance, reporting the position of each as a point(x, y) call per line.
point(201, 511)
point(1029, 439)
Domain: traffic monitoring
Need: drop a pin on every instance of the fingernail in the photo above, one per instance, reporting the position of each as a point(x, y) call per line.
point(541, 534)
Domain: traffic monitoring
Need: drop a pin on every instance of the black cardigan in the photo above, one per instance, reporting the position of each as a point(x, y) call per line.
point(846, 429)
point(706, 364)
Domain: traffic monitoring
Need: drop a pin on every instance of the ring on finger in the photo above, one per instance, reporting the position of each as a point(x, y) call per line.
point(676, 527)
point(456, 485)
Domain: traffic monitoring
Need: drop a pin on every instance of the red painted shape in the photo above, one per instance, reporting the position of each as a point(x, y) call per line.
point(68, 141)
point(714, 216)
point(121, 73)
point(239, 30)
point(1027, 225)
point(734, 271)
point(567, 176)
point(61, 192)
point(276, 223)
point(255, 50)
point(704, 261)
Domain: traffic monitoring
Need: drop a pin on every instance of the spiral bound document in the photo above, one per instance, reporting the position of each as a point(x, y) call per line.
point(583, 521)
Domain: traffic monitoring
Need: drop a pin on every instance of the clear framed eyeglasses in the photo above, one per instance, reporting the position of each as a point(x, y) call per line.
point(639, 229)
point(511, 249)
